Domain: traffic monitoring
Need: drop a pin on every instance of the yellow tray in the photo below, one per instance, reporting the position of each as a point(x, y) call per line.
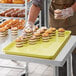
point(45, 50)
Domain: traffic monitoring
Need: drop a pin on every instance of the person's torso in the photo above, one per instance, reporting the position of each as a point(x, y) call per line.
point(66, 23)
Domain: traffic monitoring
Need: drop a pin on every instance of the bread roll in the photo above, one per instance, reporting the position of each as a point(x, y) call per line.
point(3, 14)
point(57, 11)
point(9, 13)
point(4, 1)
point(18, 1)
point(14, 14)
point(9, 1)
point(21, 15)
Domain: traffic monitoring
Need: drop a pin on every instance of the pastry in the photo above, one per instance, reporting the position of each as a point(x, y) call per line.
point(6, 28)
point(21, 15)
point(8, 25)
point(37, 34)
point(9, 1)
point(61, 32)
point(18, 1)
point(6, 22)
point(45, 37)
point(8, 14)
point(4, 1)
point(22, 21)
point(13, 23)
point(14, 31)
point(32, 40)
point(16, 20)
point(22, 11)
point(53, 31)
point(3, 14)
point(15, 13)
point(24, 39)
point(2, 25)
point(21, 27)
point(50, 32)
point(2, 32)
point(18, 13)
point(28, 32)
point(19, 42)
point(41, 31)
point(56, 12)
point(21, 24)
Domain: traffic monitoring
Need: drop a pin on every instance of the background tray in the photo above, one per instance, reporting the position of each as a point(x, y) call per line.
point(45, 50)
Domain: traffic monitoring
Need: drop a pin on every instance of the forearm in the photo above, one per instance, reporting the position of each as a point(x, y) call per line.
point(33, 13)
point(74, 7)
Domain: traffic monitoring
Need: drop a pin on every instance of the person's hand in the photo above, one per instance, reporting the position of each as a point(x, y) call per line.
point(64, 13)
point(29, 25)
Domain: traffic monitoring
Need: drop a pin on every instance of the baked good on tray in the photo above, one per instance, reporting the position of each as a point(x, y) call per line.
point(19, 42)
point(29, 32)
point(42, 34)
point(37, 35)
point(32, 40)
point(14, 31)
point(50, 32)
point(24, 39)
point(2, 32)
point(61, 32)
point(45, 37)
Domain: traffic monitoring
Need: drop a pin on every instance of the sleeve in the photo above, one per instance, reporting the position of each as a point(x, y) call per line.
point(38, 3)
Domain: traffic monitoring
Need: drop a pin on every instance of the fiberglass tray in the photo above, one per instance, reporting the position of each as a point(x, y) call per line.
point(45, 50)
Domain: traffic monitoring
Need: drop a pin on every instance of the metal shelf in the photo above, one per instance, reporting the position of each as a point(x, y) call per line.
point(7, 5)
point(13, 17)
point(11, 5)
point(26, 6)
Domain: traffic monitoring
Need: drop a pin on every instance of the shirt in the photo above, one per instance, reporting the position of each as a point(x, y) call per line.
point(38, 3)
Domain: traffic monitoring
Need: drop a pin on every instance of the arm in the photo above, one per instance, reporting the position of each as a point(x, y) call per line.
point(34, 10)
point(33, 13)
